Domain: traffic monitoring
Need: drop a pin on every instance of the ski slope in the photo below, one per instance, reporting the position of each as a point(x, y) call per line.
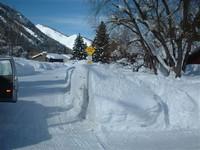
point(75, 106)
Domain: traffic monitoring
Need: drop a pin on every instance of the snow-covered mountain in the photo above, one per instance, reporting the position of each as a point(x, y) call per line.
point(68, 41)
point(21, 34)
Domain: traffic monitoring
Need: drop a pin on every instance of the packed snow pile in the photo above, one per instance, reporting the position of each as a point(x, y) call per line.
point(28, 67)
point(115, 98)
point(122, 100)
point(78, 91)
point(108, 106)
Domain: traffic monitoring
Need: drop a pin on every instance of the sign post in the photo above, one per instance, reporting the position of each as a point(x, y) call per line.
point(90, 51)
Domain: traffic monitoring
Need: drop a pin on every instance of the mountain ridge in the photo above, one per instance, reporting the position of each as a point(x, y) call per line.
point(19, 35)
point(66, 40)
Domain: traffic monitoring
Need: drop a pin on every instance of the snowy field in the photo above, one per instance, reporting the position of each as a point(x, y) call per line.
point(75, 106)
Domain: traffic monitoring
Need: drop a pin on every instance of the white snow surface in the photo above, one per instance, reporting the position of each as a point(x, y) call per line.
point(26, 67)
point(31, 32)
point(76, 106)
point(59, 56)
point(68, 41)
point(3, 19)
point(124, 100)
point(123, 104)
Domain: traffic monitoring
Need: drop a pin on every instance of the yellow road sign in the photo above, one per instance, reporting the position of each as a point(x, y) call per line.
point(90, 50)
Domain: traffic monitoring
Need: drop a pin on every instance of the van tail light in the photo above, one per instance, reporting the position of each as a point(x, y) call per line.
point(8, 91)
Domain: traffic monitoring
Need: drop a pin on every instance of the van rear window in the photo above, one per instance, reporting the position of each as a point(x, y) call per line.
point(5, 67)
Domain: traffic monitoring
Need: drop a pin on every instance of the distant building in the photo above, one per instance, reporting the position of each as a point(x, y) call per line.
point(194, 57)
point(51, 57)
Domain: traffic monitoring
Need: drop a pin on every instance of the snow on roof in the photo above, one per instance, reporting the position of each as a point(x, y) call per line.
point(40, 54)
point(58, 56)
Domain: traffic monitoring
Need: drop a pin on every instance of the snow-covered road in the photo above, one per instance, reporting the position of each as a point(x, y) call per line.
point(53, 112)
point(40, 119)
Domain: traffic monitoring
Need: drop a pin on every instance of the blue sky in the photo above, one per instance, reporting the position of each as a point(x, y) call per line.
point(67, 16)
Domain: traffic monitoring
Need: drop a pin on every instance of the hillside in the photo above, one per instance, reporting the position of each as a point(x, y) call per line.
point(68, 41)
point(19, 35)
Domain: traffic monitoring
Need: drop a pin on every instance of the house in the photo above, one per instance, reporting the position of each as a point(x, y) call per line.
point(194, 57)
point(51, 57)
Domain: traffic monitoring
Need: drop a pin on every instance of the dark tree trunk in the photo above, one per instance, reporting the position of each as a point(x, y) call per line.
point(178, 68)
point(187, 55)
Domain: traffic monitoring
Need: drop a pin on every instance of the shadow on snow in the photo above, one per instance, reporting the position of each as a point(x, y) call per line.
point(39, 88)
point(24, 124)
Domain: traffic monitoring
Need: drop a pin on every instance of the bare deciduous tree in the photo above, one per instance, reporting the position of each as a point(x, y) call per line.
point(165, 29)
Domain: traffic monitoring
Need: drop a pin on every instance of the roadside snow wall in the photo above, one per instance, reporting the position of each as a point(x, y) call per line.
point(78, 90)
point(29, 67)
point(117, 99)
point(122, 100)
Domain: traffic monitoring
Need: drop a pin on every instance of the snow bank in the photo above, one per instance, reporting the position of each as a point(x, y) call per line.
point(77, 91)
point(124, 104)
point(122, 100)
point(116, 98)
point(180, 96)
point(29, 67)
point(77, 85)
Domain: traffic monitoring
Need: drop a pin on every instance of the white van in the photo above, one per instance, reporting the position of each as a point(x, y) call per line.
point(8, 80)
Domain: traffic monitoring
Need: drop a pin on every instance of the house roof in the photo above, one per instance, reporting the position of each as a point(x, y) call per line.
point(40, 54)
point(58, 56)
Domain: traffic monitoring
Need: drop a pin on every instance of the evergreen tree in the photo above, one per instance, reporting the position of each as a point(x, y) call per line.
point(101, 43)
point(79, 48)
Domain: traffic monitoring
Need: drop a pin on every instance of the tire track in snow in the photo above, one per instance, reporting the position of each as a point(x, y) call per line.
point(68, 78)
point(80, 92)
point(85, 103)
point(156, 111)
point(77, 80)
